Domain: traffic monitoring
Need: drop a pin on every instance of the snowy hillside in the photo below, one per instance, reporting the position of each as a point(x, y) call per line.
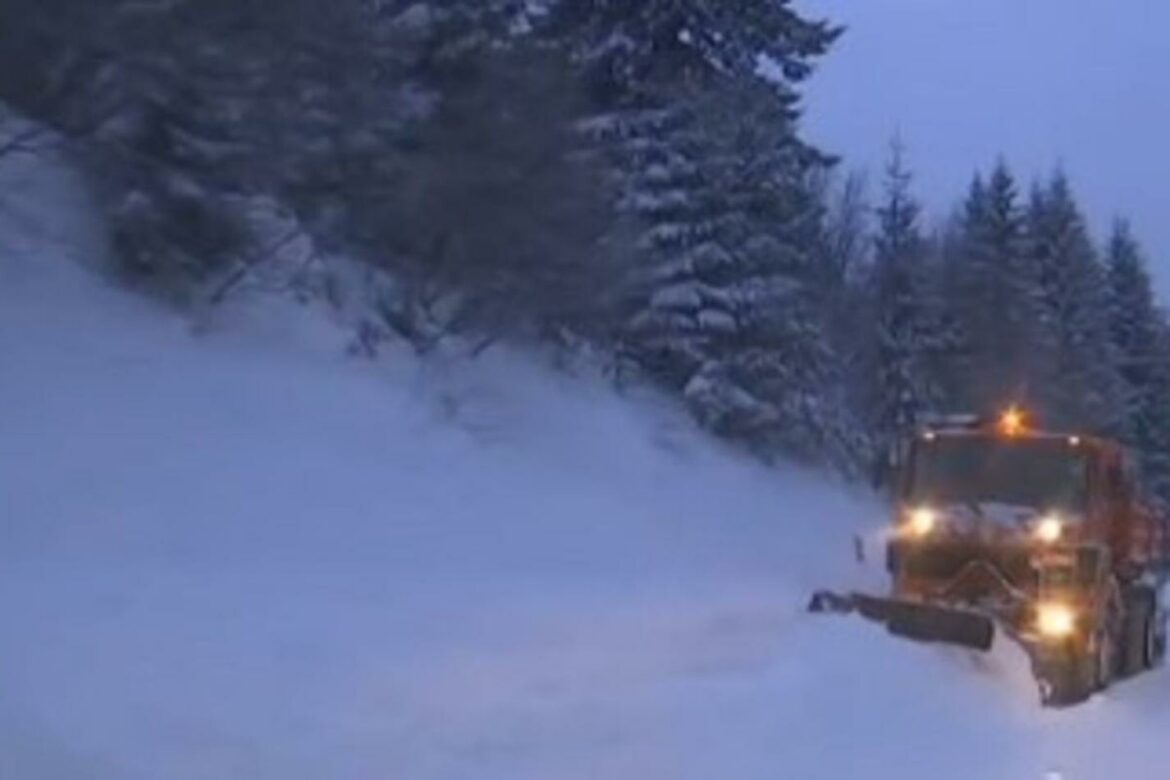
point(240, 554)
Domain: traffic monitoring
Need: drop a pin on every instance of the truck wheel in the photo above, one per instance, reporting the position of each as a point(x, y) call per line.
point(1140, 638)
point(1107, 661)
point(1071, 680)
point(1156, 639)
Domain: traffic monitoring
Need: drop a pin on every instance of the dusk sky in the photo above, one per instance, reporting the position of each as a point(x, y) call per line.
point(1083, 84)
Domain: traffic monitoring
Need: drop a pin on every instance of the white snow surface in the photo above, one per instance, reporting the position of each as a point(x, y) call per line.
point(236, 553)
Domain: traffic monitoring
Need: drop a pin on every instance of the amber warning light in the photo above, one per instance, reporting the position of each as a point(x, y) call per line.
point(1011, 422)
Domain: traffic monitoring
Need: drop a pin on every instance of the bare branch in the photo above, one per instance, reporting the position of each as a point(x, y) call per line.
point(22, 141)
point(246, 266)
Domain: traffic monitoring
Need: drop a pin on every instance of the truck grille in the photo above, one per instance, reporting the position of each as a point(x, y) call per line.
point(940, 567)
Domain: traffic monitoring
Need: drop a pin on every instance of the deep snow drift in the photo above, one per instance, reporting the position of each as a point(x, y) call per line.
point(239, 554)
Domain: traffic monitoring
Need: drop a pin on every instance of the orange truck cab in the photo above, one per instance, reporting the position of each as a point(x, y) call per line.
point(1047, 534)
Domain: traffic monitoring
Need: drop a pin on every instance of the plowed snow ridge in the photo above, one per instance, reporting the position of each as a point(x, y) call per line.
point(239, 554)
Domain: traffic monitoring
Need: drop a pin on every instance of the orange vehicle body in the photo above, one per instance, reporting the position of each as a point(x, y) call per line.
point(1076, 583)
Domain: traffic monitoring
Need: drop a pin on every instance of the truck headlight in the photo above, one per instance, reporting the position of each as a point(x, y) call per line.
point(1049, 529)
point(1055, 621)
point(922, 521)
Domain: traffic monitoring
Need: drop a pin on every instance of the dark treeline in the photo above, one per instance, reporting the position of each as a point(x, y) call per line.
point(1013, 300)
point(629, 177)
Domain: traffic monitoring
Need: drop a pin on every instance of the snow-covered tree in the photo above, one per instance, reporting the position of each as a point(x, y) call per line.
point(630, 50)
point(727, 266)
point(907, 335)
point(495, 211)
point(1139, 333)
point(994, 297)
point(1082, 388)
point(695, 111)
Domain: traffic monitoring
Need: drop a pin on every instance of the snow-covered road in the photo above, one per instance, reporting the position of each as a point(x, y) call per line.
point(242, 555)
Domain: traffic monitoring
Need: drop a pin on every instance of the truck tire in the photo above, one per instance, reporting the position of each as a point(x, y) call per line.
point(1069, 681)
point(1108, 660)
point(1138, 650)
point(1082, 670)
point(1156, 654)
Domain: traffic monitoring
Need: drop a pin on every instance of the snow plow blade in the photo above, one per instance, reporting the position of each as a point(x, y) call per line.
point(912, 619)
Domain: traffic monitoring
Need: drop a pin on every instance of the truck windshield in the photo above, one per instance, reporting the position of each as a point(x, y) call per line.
point(1036, 473)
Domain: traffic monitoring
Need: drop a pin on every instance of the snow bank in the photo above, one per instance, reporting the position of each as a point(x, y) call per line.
point(242, 555)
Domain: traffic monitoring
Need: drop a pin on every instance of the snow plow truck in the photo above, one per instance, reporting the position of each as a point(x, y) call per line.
point(1043, 536)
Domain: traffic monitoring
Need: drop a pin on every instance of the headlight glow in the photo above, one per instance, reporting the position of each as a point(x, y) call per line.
point(922, 521)
point(1049, 529)
point(1055, 621)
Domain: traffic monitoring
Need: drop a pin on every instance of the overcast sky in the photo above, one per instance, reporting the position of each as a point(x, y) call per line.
point(1080, 83)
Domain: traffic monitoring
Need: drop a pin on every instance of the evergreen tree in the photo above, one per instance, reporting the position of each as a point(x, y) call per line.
point(1139, 331)
point(1081, 387)
point(844, 299)
point(906, 334)
point(994, 297)
point(726, 306)
point(632, 50)
point(494, 212)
